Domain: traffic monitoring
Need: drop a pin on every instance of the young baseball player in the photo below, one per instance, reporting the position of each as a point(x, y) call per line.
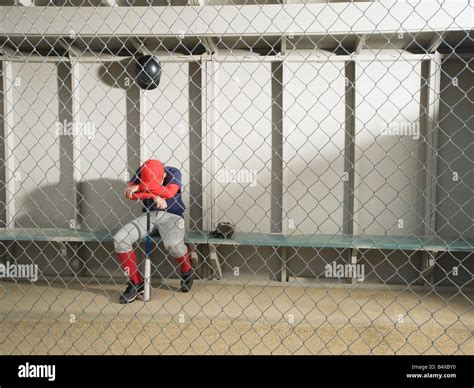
point(166, 215)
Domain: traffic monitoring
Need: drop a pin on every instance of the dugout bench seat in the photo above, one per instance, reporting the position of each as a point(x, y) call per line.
point(430, 247)
point(71, 239)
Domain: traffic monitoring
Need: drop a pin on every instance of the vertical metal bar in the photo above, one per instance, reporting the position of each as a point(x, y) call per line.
point(215, 263)
point(429, 111)
point(277, 161)
point(7, 204)
point(66, 141)
point(283, 261)
point(144, 127)
point(283, 45)
point(354, 257)
point(195, 145)
point(209, 81)
point(277, 148)
point(3, 165)
point(9, 144)
point(133, 106)
point(349, 149)
point(426, 137)
point(76, 141)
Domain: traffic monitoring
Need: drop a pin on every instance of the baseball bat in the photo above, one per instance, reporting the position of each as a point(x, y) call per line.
point(146, 295)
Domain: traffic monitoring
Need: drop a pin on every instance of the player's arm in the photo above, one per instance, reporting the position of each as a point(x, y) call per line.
point(169, 191)
point(130, 189)
point(133, 185)
point(172, 187)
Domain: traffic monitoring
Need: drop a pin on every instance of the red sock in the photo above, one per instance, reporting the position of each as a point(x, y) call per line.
point(129, 263)
point(185, 262)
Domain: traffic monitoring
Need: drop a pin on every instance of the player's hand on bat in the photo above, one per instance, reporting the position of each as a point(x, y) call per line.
point(161, 202)
point(130, 190)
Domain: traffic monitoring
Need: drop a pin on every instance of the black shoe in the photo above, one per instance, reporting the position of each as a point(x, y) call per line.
point(187, 280)
point(131, 293)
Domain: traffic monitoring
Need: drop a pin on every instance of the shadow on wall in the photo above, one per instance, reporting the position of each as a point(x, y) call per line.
point(121, 75)
point(118, 74)
point(100, 202)
point(101, 205)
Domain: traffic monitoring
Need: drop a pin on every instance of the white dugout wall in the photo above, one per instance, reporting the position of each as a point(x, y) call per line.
point(133, 125)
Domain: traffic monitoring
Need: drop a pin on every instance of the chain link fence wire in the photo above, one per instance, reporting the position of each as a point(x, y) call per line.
point(337, 137)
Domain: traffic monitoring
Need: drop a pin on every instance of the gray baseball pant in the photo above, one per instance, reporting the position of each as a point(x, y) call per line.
point(169, 226)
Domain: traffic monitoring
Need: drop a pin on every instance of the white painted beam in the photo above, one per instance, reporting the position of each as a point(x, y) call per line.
point(72, 50)
point(145, 129)
point(90, 57)
point(436, 42)
point(8, 53)
point(209, 81)
point(74, 57)
point(209, 43)
point(291, 56)
point(429, 116)
point(76, 77)
point(360, 43)
point(25, 3)
point(8, 123)
point(249, 20)
point(140, 46)
point(283, 45)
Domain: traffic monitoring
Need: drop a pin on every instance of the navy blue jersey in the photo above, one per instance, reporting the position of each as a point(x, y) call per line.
point(175, 204)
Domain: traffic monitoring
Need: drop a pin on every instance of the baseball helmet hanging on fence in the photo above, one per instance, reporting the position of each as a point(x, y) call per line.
point(148, 72)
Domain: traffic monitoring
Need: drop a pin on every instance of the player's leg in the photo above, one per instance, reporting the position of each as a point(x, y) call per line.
point(171, 228)
point(124, 239)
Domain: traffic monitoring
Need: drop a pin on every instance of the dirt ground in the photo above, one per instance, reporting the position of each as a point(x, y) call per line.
point(233, 319)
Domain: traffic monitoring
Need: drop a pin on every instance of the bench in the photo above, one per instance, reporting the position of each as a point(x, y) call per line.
point(430, 246)
point(72, 238)
point(75, 235)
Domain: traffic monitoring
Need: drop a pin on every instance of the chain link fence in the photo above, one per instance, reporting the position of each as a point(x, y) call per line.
point(337, 137)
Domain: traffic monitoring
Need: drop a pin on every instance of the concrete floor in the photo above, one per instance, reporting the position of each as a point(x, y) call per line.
point(233, 319)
